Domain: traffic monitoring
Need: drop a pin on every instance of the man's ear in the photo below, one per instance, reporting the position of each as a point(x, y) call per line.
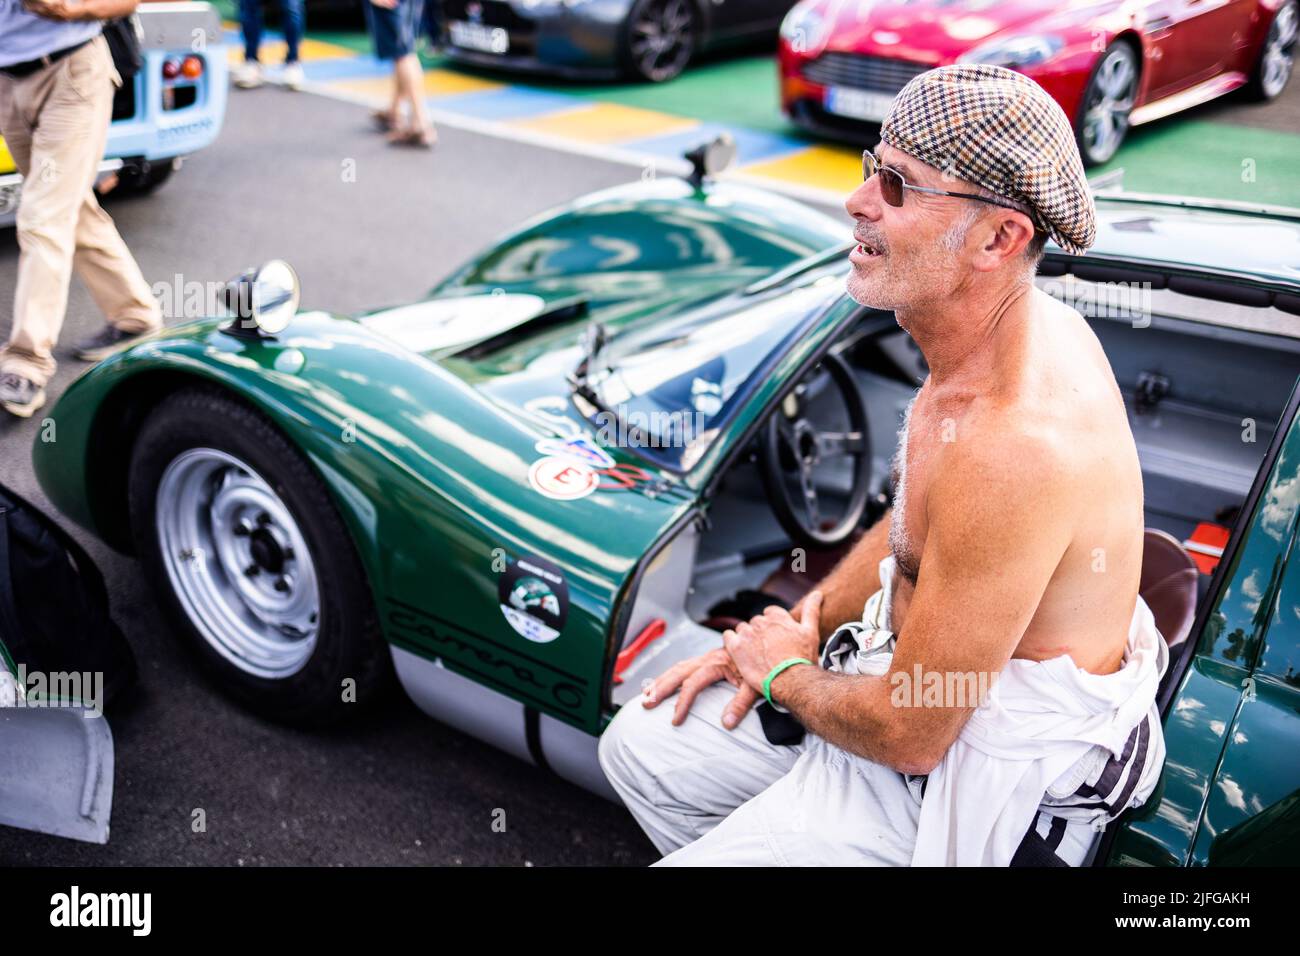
point(1004, 236)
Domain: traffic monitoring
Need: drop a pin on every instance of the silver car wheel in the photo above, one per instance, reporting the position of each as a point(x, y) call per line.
point(237, 563)
point(1279, 51)
point(1110, 101)
point(663, 38)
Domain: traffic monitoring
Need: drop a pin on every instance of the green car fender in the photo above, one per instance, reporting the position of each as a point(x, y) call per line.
point(429, 475)
point(427, 457)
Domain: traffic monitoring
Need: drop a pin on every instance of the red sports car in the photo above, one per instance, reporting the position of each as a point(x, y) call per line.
point(1111, 64)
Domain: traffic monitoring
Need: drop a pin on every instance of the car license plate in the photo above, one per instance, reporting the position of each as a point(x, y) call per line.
point(476, 36)
point(858, 104)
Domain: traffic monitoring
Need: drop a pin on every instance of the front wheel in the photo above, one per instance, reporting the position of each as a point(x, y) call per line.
point(1107, 102)
point(1276, 59)
point(253, 562)
point(661, 38)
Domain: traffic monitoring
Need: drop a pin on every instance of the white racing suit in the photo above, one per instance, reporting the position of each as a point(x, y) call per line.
point(1053, 750)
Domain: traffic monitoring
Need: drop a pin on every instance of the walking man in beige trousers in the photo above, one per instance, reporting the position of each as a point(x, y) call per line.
point(56, 93)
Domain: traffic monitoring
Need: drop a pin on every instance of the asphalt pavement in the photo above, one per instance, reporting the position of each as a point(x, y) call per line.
point(304, 178)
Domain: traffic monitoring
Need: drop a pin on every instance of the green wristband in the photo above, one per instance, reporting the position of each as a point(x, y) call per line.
point(776, 671)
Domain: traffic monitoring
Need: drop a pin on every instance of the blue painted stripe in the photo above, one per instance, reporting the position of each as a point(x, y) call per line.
point(346, 68)
point(509, 103)
point(752, 146)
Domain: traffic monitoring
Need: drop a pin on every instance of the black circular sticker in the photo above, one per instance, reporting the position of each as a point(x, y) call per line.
point(534, 598)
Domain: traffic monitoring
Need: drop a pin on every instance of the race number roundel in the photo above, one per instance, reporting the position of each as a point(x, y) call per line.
point(562, 479)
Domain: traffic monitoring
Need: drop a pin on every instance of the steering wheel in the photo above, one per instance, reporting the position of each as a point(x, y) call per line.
point(791, 443)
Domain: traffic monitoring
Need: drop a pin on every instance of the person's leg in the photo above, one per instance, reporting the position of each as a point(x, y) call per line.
point(379, 23)
point(295, 18)
point(58, 158)
point(831, 809)
point(399, 95)
point(111, 274)
point(21, 356)
point(250, 21)
point(104, 262)
point(409, 74)
point(413, 90)
point(681, 782)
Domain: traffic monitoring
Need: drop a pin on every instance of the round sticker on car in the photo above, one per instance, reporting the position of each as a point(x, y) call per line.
point(534, 598)
point(562, 479)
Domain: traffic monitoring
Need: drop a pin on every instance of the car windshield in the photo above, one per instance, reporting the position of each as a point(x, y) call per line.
point(665, 390)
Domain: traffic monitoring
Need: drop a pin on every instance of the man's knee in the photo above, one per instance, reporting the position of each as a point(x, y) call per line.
point(641, 744)
point(46, 225)
point(622, 743)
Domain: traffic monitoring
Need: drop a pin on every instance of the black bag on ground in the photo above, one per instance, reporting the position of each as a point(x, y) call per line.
point(123, 37)
point(54, 614)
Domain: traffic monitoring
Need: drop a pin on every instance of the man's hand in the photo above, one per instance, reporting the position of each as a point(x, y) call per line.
point(692, 676)
point(772, 637)
point(386, 4)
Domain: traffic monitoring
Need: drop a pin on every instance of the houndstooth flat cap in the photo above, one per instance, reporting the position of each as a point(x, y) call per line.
point(1000, 130)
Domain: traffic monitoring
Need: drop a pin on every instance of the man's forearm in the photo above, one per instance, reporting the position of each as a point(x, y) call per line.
point(109, 9)
point(853, 712)
point(90, 9)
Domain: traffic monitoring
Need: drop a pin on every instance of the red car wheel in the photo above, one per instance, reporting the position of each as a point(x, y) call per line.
point(1278, 55)
point(1107, 102)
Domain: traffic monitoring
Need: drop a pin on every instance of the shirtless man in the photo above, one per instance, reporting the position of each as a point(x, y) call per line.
point(1016, 536)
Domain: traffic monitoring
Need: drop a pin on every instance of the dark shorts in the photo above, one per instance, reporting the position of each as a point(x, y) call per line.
point(394, 31)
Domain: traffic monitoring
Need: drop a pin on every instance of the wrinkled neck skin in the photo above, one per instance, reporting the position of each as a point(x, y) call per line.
point(954, 333)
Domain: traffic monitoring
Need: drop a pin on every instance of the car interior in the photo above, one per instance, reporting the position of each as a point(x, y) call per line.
point(1203, 402)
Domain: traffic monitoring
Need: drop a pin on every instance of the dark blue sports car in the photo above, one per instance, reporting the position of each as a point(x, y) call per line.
point(649, 40)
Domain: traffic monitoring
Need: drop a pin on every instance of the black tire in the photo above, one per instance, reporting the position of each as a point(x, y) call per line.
point(640, 63)
point(1093, 150)
point(349, 643)
point(1263, 85)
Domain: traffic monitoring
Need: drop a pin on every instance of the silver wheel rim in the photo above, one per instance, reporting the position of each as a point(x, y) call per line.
point(662, 40)
point(237, 563)
point(1105, 120)
point(1279, 51)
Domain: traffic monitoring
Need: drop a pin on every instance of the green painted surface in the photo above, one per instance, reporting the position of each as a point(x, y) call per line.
point(741, 91)
point(1217, 160)
point(436, 482)
point(1228, 791)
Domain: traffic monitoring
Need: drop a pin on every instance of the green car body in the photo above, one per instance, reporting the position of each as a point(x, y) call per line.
point(426, 451)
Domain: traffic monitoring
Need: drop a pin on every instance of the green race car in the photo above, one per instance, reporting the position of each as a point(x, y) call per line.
point(647, 414)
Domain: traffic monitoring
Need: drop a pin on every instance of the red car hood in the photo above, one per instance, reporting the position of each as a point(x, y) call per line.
point(938, 31)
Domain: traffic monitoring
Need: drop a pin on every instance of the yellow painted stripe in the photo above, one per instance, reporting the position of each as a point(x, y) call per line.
point(436, 83)
point(272, 51)
point(607, 123)
point(837, 168)
point(7, 164)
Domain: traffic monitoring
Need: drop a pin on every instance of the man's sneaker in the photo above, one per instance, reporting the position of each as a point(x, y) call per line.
point(104, 343)
point(20, 396)
point(248, 75)
point(293, 75)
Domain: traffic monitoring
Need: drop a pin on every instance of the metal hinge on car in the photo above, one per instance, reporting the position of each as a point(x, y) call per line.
point(1151, 388)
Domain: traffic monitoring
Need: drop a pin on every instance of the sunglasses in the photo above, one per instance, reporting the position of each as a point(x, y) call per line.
point(893, 185)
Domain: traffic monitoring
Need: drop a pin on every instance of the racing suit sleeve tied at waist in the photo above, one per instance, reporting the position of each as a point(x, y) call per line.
point(1049, 742)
